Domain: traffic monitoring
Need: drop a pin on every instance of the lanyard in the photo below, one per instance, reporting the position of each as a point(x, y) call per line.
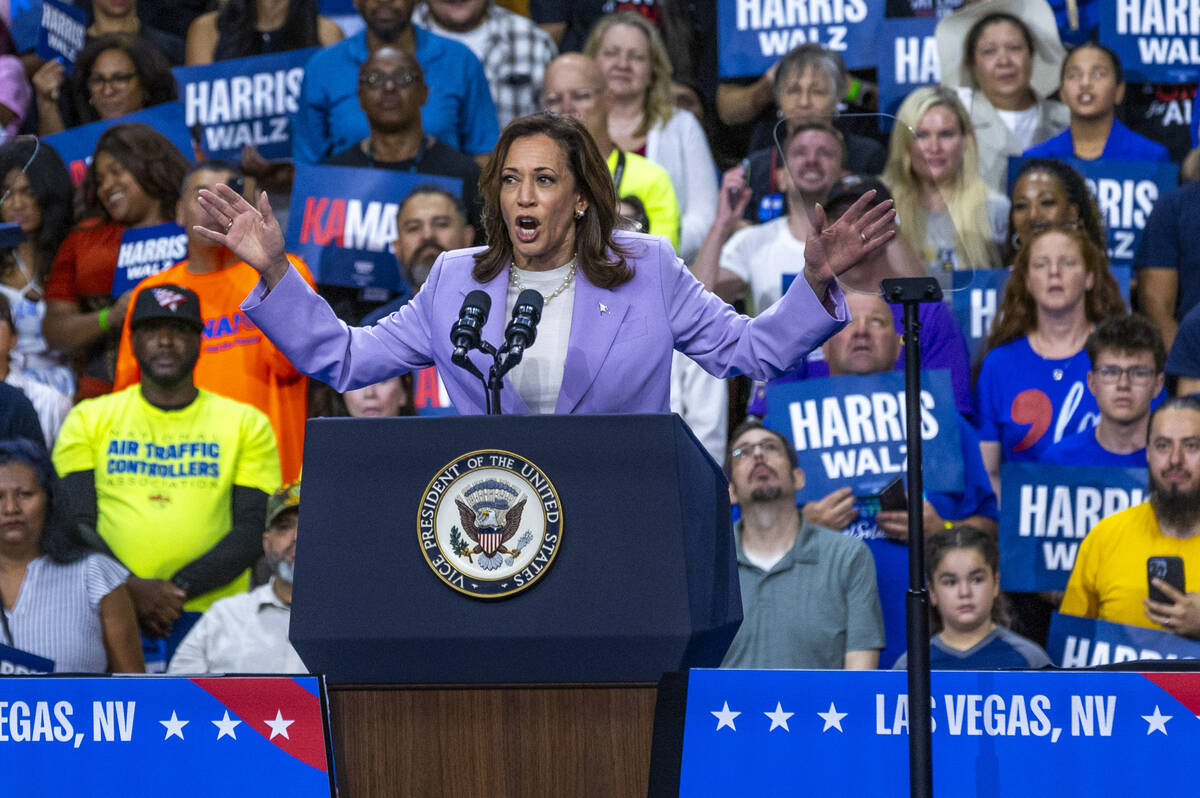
point(619, 171)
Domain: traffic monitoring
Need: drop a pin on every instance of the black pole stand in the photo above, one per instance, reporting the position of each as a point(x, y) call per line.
point(911, 292)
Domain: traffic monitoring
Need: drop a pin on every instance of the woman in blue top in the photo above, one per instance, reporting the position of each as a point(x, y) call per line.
point(1032, 387)
point(1093, 85)
point(967, 614)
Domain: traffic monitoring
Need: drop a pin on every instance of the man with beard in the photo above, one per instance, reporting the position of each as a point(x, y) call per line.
point(248, 633)
point(1109, 578)
point(236, 360)
point(168, 478)
point(808, 593)
point(391, 91)
point(459, 110)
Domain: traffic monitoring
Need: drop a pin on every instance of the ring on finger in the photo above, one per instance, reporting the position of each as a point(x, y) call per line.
point(864, 237)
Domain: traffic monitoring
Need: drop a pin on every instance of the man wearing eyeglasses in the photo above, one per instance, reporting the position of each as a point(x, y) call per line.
point(1127, 358)
point(808, 593)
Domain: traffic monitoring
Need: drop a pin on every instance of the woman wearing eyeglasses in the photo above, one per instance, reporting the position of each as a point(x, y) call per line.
point(113, 76)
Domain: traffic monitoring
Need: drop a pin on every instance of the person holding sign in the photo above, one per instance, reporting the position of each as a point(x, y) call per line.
point(1113, 579)
point(963, 567)
point(1032, 387)
point(58, 600)
point(1093, 85)
point(617, 303)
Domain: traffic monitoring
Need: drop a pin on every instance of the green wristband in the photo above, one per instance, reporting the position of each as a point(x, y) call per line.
point(102, 320)
point(855, 90)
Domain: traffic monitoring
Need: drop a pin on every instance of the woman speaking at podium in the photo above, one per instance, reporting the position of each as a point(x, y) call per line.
point(615, 303)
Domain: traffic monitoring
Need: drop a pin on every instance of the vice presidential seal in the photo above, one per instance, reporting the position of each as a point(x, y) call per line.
point(490, 523)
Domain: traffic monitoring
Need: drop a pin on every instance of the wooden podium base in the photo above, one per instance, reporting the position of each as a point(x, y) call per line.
point(496, 740)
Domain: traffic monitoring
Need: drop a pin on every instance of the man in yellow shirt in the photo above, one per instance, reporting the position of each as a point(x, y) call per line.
point(1109, 578)
point(170, 479)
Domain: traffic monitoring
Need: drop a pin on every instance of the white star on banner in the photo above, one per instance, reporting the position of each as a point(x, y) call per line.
point(1157, 721)
point(725, 717)
point(832, 718)
point(779, 718)
point(225, 726)
point(279, 725)
point(174, 726)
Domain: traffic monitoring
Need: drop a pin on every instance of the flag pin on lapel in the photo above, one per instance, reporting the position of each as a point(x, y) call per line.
point(603, 308)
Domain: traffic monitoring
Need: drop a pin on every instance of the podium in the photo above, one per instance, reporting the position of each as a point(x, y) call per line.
point(549, 690)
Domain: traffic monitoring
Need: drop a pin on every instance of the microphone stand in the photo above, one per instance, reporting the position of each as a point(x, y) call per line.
point(911, 292)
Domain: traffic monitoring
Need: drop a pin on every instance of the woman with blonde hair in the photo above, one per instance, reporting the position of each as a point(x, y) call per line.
point(952, 219)
point(643, 120)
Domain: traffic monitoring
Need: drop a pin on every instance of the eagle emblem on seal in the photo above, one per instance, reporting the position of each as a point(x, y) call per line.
point(491, 516)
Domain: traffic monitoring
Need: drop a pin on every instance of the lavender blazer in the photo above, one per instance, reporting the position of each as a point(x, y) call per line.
point(619, 355)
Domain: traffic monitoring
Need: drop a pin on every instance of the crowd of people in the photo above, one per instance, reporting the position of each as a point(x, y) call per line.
point(725, 238)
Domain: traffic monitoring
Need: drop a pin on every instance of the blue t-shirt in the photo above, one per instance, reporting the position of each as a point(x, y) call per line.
point(1028, 403)
point(1122, 145)
point(458, 112)
point(1169, 242)
point(1184, 358)
point(1082, 449)
point(891, 556)
point(1001, 649)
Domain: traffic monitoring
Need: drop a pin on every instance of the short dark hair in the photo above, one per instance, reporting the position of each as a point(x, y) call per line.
point(238, 183)
point(977, 29)
point(1133, 333)
point(805, 124)
point(155, 163)
point(753, 424)
point(425, 189)
point(1118, 70)
point(60, 539)
point(1187, 402)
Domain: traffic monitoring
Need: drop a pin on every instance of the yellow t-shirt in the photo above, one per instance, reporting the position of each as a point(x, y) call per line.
point(650, 183)
point(1109, 578)
point(164, 478)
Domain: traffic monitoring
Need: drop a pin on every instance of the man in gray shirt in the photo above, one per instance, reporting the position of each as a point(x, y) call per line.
point(808, 593)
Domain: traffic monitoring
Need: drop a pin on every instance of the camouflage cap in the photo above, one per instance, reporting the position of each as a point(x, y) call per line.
point(284, 498)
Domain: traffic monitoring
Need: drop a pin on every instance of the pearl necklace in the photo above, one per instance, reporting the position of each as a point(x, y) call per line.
point(515, 275)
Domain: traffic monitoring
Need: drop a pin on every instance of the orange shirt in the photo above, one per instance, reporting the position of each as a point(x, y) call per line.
point(236, 359)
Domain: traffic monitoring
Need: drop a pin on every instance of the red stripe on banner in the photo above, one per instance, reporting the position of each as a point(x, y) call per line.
point(1183, 687)
point(258, 700)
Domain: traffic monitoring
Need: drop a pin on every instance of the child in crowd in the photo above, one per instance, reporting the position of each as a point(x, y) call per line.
point(964, 589)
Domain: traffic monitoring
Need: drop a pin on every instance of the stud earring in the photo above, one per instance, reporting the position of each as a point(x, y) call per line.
point(579, 214)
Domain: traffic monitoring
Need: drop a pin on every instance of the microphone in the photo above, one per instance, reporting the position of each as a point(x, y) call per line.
point(468, 330)
point(522, 330)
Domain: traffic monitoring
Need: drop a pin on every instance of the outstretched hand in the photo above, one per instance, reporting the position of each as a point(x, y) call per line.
point(832, 250)
point(251, 233)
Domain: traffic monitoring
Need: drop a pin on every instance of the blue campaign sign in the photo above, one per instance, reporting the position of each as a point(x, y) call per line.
point(1088, 643)
point(1126, 192)
point(145, 251)
point(911, 63)
point(245, 101)
point(851, 430)
point(1048, 509)
point(165, 736)
point(753, 34)
point(343, 221)
point(75, 146)
point(1158, 41)
point(26, 23)
point(62, 32)
point(14, 661)
point(1002, 734)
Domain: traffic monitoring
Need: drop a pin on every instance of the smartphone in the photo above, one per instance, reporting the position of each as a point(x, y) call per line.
point(1169, 570)
point(734, 193)
point(893, 496)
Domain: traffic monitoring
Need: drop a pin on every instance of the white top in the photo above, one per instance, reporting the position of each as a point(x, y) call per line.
point(474, 39)
point(50, 405)
point(32, 355)
point(702, 401)
point(762, 255)
point(246, 633)
point(680, 147)
point(1023, 124)
point(538, 377)
point(941, 239)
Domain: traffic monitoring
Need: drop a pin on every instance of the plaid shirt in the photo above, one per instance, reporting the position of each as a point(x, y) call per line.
point(515, 56)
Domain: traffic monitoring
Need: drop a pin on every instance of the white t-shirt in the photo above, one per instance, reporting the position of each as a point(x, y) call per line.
point(1023, 124)
point(476, 39)
point(538, 377)
point(763, 255)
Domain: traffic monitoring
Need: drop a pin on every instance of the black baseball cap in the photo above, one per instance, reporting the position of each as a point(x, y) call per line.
point(167, 302)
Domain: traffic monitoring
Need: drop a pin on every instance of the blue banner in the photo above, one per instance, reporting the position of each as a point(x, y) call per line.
point(62, 32)
point(977, 297)
point(995, 734)
point(1158, 41)
point(1125, 191)
point(155, 736)
point(912, 62)
point(245, 101)
point(145, 251)
point(1048, 509)
point(26, 23)
point(343, 221)
point(75, 146)
point(1088, 643)
point(14, 661)
point(754, 34)
point(851, 430)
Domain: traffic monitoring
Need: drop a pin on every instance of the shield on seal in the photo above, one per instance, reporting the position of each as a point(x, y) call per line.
point(490, 539)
